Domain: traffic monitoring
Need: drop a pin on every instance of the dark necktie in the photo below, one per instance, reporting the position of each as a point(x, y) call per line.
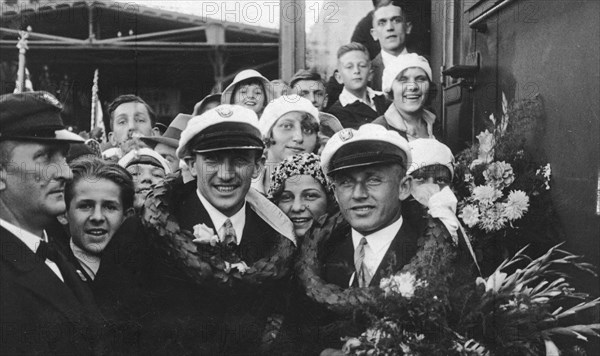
point(228, 234)
point(362, 274)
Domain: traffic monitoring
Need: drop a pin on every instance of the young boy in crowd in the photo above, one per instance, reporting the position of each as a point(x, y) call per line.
point(130, 118)
point(357, 104)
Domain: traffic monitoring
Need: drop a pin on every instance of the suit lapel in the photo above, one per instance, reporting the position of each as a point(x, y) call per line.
point(401, 250)
point(35, 276)
point(377, 66)
point(339, 264)
point(191, 211)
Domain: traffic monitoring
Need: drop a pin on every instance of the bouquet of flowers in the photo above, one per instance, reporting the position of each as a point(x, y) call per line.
point(526, 305)
point(518, 313)
point(503, 187)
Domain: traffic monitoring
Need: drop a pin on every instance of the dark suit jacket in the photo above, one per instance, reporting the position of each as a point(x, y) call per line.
point(39, 313)
point(357, 114)
point(212, 318)
point(377, 69)
point(362, 35)
point(258, 238)
point(338, 262)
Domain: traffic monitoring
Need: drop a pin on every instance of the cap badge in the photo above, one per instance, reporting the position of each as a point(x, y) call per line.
point(51, 100)
point(346, 134)
point(224, 111)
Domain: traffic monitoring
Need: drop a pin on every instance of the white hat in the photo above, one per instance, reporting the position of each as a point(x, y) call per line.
point(399, 64)
point(227, 95)
point(225, 127)
point(283, 105)
point(429, 151)
point(370, 144)
point(145, 156)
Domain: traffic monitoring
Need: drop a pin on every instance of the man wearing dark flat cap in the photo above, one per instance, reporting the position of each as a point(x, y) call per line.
point(45, 308)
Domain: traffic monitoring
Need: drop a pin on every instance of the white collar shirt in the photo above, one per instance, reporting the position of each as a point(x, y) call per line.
point(238, 220)
point(388, 58)
point(90, 263)
point(347, 98)
point(32, 242)
point(377, 244)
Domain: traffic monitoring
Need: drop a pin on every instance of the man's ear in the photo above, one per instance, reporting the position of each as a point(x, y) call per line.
point(259, 166)
point(374, 35)
point(155, 131)
point(112, 139)
point(63, 219)
point(405, 187)
point(191, 163)
point(338, 77)
point(408, 28)
point(3, 177)
point(129, 212)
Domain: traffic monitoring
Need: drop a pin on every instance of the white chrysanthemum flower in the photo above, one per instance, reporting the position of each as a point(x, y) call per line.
point(486, 194)
point(403, 284)
point(499, 175)
point(492, 218)
point(470, 215)
point(516, 205)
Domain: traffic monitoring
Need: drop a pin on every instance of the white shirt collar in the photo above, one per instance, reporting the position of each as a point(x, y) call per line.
point(387, 58)
point(377, 244)
point(347, 98)
point(238, 220)
point(89, 262)
point(393, 118)
point(30, 240)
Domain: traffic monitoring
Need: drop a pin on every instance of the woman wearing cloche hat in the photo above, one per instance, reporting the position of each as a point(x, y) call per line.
point(407, 81)
point(289, 126)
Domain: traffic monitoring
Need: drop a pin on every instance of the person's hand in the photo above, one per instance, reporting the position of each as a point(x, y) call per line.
point(332, 352)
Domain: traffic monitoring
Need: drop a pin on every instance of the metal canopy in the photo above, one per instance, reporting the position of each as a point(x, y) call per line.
point(108, 31)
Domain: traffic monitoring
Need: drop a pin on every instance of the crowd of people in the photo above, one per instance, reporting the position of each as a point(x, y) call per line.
point(186, 241)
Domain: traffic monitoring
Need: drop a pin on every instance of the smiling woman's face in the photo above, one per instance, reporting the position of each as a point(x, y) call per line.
point(411, 88)
point(250, 95)
point(293, 133)
point(303, 200)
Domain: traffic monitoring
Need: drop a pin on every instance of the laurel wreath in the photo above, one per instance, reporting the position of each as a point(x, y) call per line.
point(205, 262)
point(434, 248)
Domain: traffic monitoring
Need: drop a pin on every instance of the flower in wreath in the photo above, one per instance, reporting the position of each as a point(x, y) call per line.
point(516, 205)
point(403, 283)
point(486, 194)
point(470, 215)
point(499, 175)
point(205, 235)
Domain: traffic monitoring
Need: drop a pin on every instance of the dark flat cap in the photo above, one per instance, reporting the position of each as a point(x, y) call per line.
point(33, 116)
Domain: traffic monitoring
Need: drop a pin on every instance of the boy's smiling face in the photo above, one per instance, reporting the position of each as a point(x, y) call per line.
point(353, 70)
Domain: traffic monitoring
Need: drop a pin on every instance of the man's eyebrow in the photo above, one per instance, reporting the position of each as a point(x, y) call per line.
point(41, 152)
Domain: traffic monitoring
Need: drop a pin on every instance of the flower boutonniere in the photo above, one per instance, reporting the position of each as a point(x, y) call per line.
point(205, 235)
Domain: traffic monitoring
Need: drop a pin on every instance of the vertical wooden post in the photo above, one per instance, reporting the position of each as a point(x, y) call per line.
point(292, 37)
point(23, 47)
point(215, 35)
point(91, 35)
